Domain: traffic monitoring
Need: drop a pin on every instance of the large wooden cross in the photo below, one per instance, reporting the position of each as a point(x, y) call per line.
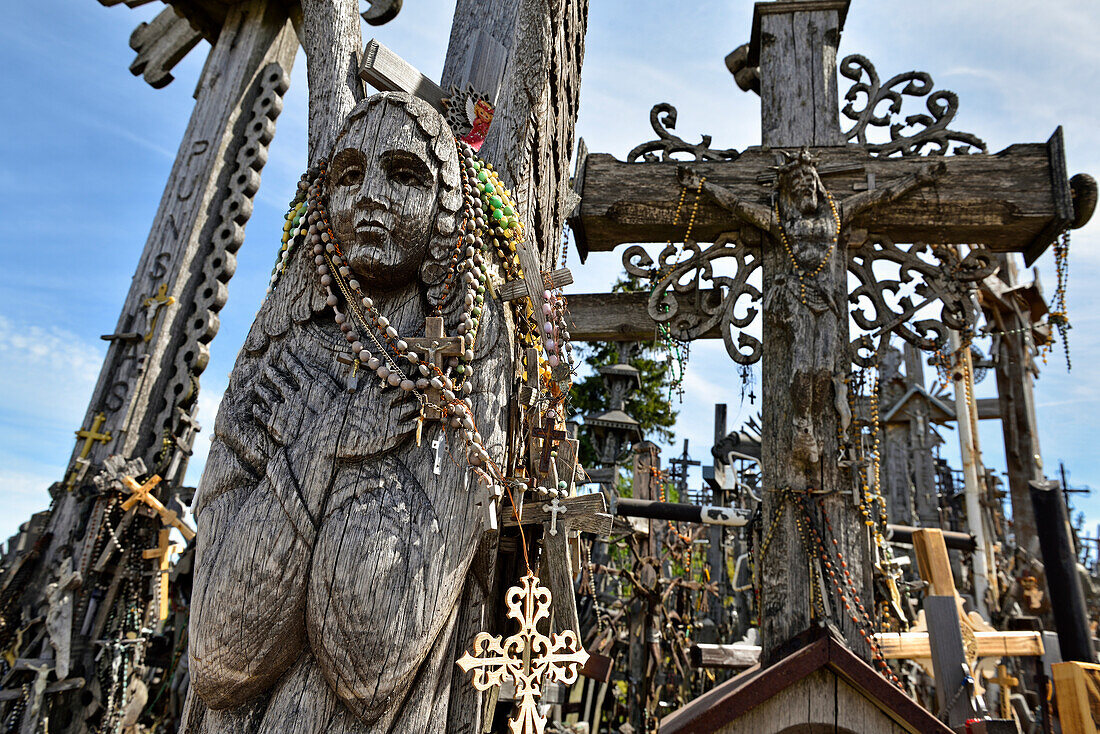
point(1018, 200)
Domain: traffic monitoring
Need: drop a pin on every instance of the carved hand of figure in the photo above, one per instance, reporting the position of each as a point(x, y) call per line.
point(929, 173)
point(293, 399)
point(688, 178)
point(370, 431)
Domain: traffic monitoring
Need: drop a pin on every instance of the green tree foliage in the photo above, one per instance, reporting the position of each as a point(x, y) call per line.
point(649, 405)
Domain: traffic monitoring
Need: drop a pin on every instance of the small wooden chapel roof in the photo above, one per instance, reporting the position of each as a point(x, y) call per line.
point(783, 695)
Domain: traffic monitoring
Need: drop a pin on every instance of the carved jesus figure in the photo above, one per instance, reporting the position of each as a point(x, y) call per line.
point(805, 287)
point(333, 574)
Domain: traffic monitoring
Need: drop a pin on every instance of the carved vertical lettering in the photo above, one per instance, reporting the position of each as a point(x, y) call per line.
point(160, 263)
point(199, 147)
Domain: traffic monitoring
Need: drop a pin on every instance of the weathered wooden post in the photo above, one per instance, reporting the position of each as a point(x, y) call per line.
point(342, 489)
point(1013, 309)
point(966, 415)
point(1067, 597)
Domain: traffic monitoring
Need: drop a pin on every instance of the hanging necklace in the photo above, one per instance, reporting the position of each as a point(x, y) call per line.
point(798, 270)
point(489, 223)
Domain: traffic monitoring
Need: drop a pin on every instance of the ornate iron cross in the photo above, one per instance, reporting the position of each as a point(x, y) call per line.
point(527, 656)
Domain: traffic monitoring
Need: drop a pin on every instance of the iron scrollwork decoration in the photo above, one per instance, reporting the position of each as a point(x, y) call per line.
point(663, 118)
point(680, 303)
point(942, 278)
point(915, 135)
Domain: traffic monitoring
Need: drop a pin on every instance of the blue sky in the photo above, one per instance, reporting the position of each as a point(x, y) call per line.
point(86, 149)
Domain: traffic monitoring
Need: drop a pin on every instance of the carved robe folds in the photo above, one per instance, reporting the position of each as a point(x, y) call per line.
point(332, 559)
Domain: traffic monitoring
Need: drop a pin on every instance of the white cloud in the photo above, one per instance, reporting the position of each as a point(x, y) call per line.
point(49, 372)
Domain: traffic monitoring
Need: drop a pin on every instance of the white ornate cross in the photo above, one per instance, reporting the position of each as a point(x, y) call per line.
point(527, 656)
point(555, 508)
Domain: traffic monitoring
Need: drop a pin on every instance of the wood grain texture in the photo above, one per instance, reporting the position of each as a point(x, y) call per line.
point(332, 37)
point(1016, 402)
point(1001, 199)
point(798, 85)
point(333, 563)
point(141, 383)
point(337, 577)
point(1077, 688)
point(160, 45)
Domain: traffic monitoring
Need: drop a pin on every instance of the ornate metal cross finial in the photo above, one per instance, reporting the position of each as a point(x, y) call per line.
point(162, 552)
point(144, 493)
point(555, 508)
point(526, 656)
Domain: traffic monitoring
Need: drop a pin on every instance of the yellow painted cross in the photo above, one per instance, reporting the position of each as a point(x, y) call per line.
point(153, 306)
point(162, 552)
point(144, 493)
point(1006, 682)
point(90, 436)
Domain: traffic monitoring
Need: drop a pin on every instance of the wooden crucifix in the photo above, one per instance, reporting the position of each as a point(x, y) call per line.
point(143, 493)
point(434, 348)
point(586, 513)
point(89, 435)
point(162, 553)
point(550, 437)
point(809, 209)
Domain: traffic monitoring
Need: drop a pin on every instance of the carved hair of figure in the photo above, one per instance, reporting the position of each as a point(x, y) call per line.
point(333, 576)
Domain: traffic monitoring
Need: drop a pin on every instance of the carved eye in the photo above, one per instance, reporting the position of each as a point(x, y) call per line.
point(348, 167)
point(350, 176)
point(405, 168)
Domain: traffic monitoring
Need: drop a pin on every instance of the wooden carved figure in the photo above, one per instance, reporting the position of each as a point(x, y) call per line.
point(805, 289)
point(334, 563)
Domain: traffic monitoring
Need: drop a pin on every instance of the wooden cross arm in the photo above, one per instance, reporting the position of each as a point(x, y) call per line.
point(142, 493)
point(1016, 200)
point(159, 553)
point(587, 513)
point(898, 645)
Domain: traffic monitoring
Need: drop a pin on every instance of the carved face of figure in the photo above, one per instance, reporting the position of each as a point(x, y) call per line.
point(382, 190)
point(801, 186)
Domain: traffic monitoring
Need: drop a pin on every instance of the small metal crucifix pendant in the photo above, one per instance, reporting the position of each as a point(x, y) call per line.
point(437, 467)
